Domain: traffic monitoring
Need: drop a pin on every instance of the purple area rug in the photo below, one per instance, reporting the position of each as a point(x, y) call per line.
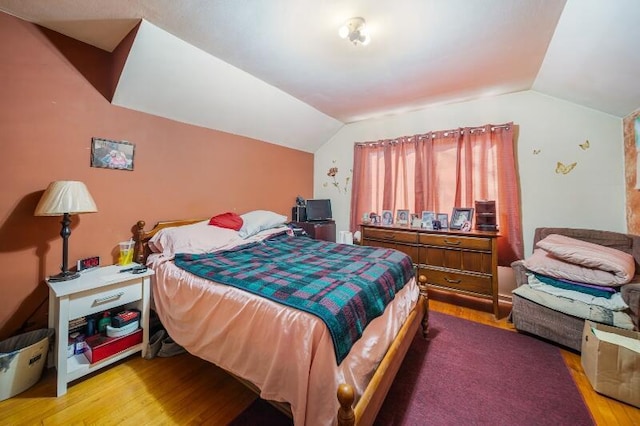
point(470, 373)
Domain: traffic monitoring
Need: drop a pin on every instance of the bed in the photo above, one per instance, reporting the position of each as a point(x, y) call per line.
point(226, 331)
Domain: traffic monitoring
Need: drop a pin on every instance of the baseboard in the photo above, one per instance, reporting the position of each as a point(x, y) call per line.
point(476, 303)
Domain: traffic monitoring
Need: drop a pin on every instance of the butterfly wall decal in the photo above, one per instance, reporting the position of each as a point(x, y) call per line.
point(585, 145)
point(536, 151)
point(564, 169)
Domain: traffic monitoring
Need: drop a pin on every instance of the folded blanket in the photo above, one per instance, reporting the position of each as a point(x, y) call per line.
point(593, 290)
point(594, 257)
point(576, 308)
point(613, 303)
point(544, 263)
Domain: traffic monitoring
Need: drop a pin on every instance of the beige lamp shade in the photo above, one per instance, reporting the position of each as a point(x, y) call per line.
point(65, 196)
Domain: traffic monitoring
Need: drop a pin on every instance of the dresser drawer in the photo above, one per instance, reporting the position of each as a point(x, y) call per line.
point(390, 235)
point(104, 298)
point(464, 282)
point(456, 241)
point(463, 259)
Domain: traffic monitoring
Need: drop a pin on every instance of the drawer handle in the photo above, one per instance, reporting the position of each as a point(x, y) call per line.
point(389, 237)
point(108, 298)
point(450, 281)
point(452, 243)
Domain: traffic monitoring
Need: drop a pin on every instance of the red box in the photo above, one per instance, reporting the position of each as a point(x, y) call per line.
point(100, 347)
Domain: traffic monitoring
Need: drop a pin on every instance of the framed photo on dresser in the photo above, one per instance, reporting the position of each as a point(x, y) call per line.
point(459, 216)
point(427, 219)
point(387, 217)
point(444, 220)
point(402, 217)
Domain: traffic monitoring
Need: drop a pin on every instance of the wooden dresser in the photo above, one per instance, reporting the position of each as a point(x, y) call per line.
point(461, 262)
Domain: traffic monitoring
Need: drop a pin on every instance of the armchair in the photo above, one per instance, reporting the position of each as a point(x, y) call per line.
point(557, 326)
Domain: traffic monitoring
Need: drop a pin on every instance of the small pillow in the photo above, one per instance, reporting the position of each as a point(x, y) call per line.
point(544, 263)
point(196, 238)
point(595, 256)
point(228, 220)
point(259, 220)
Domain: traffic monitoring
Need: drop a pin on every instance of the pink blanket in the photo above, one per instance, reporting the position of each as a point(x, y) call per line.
point(286, 353)
point(567, 258)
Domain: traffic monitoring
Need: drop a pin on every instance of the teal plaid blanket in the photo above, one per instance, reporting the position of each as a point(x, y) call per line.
point(344, 285)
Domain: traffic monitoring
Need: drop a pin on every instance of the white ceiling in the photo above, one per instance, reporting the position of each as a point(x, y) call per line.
point(277, 71)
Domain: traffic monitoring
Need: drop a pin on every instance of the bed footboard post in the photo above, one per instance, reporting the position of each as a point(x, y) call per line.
point(346, 396)
point(424, 299)
point(138, 237)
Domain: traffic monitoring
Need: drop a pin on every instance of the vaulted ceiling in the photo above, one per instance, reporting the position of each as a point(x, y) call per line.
point(277, 71)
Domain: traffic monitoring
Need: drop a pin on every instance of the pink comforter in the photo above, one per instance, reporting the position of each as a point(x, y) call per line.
point(286, 353)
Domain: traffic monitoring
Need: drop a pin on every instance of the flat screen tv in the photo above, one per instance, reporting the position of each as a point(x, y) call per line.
point(318, 210)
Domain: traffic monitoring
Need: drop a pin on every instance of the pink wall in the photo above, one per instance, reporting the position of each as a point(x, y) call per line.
point(53, 101)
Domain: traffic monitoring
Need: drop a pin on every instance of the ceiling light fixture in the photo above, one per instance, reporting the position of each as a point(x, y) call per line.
point(355, 30)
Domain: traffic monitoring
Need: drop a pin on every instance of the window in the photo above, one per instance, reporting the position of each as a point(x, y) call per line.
point(440, 170)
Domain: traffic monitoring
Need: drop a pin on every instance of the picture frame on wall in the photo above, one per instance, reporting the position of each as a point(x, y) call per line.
point(110, 154)
point(459, 216)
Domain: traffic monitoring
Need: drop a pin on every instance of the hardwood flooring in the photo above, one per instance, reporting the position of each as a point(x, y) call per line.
point(187, 390)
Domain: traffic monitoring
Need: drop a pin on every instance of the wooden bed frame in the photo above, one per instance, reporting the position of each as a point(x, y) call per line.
point(366, 410)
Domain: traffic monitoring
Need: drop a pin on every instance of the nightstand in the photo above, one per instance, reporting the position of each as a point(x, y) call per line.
point(95, 291)
point(322, 230)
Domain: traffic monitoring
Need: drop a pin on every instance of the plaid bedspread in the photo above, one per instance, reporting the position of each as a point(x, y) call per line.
point(344, 285)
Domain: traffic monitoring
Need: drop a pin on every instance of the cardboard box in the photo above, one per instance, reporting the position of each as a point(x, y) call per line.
point(611, 364)
point(100, 347)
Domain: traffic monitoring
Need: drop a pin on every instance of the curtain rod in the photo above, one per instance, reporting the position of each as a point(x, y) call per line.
point(432, 134)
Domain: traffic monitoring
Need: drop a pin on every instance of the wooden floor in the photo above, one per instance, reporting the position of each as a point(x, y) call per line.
point(186, 390)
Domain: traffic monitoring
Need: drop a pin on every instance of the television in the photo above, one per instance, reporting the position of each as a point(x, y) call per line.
point(318, 210)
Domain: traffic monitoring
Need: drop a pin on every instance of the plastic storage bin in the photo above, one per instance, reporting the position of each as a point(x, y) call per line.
point(22, 359)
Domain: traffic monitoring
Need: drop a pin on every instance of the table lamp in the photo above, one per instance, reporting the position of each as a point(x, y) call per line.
point(64, 198)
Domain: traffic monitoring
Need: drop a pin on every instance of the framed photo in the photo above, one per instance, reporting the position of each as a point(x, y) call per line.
point(416, 221)
point(459, 216)
point(427, 219)
point(387, 217)
point(402, 217)
point(112, 154)
point(444, 220)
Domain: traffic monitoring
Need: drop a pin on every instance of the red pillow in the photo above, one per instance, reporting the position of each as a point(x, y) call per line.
point(228, 220)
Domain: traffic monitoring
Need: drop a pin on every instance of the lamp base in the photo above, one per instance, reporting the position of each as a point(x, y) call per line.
point(64, 276)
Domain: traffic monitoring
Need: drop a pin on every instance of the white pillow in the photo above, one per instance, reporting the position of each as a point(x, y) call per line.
point(197, 238)
point(259, 220)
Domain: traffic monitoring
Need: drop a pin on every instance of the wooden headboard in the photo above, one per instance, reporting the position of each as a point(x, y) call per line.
point(142, 237)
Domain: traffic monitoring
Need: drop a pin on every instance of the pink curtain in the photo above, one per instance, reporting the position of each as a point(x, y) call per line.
point(440, 170)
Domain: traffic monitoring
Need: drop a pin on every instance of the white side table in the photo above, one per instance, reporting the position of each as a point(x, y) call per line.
point(97, 290)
